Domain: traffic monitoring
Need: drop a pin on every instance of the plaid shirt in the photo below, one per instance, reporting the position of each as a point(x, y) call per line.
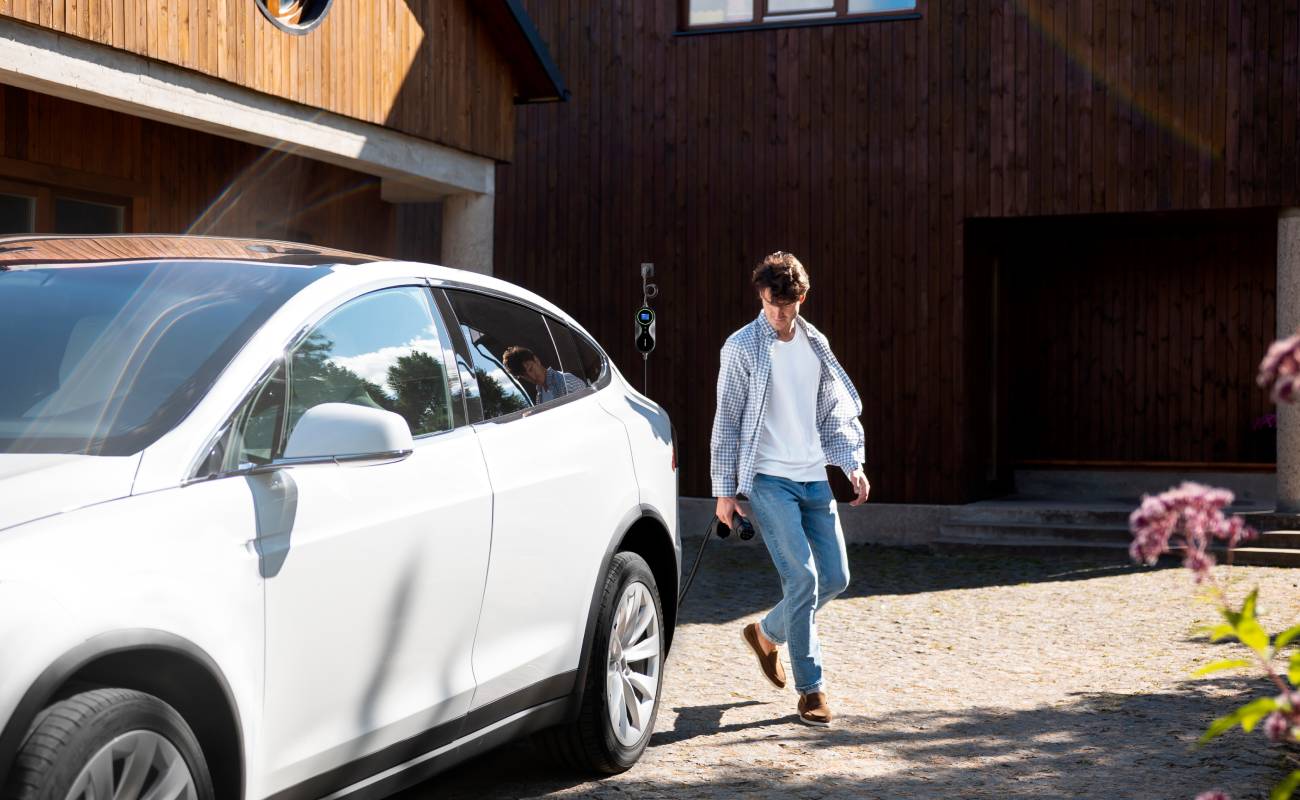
point(743, 384)
point(558, 384)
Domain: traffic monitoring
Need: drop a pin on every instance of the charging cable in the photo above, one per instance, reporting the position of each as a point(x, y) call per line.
point(746, 533)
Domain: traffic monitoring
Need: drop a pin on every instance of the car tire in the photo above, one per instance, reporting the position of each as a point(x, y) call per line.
point(102, 735)
point(594, 743)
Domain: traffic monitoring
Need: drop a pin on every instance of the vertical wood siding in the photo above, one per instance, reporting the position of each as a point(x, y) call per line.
point(865, 149)
point(425, 67)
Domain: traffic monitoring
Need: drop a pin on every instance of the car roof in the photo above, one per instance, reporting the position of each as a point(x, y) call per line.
point(29, 250)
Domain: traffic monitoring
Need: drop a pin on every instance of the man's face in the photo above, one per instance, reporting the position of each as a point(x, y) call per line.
point(780, 315)
point(534, 371)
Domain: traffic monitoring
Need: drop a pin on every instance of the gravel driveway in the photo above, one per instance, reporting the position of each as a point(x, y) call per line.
point(952, 675)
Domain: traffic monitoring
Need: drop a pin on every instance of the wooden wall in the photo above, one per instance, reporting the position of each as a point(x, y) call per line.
point(425, 67)
point(864, 149)
point(1138, 342)
point(182, 181)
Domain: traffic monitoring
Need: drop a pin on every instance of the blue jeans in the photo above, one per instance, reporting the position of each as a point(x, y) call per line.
point(801, 529)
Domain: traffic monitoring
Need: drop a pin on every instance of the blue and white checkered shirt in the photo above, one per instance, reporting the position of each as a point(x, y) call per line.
point(742, 403)
point(558, 384)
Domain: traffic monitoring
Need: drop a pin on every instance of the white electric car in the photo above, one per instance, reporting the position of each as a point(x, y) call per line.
point(283, 522)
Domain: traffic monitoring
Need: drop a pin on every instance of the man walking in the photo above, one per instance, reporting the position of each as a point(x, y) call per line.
point(786, 409)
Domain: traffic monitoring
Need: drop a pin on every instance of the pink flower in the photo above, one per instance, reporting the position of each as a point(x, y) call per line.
point(1194, 510)
point(1276, 726)
point(1280, 369)
point(1216, 794)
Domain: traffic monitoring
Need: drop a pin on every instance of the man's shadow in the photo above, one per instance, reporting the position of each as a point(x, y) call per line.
point(695, 721)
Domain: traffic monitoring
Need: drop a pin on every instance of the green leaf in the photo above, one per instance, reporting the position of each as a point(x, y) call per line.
point(1293, 670)
point(1285, 637)
point(1254, 711)
point(1219, 666)
point(1222, 632)
point(1220, 726)
point(1252, 634)
point(1248, 608)
point(1248, 716)
point(1286, 788)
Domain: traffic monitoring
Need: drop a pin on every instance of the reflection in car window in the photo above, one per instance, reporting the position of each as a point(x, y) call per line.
point(577, 354)
point(105, 359)
point(261, 425)
point(514, 357)
point(381, 350)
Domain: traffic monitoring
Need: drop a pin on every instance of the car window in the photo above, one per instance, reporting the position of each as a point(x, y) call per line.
point(513, 354)
point(381, 350)
point(577, 354)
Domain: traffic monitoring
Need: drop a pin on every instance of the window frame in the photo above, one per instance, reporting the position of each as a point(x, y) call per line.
point(760, 22)
point(45, 196)
point(462, 348)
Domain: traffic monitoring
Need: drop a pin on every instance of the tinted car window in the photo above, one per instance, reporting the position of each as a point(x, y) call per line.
point(513, 353)
point(105, 359)
point(577, 354)
point(382, 350)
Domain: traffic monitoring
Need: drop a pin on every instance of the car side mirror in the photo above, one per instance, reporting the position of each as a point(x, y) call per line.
point(346, 432)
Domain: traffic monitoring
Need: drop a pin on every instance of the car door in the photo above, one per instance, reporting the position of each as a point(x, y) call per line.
point(562, 479)
point(374, 571)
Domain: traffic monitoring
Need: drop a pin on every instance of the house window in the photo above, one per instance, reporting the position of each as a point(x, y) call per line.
point(294, 16)
point(706, 14)
point(32, 208)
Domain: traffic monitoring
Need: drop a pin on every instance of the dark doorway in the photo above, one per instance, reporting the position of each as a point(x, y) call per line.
point(1121, 340)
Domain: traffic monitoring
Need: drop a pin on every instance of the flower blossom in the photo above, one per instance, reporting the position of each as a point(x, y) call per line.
point(1216, 794)
point(1280, 370)
point(1195, 511)
point(1276, 727)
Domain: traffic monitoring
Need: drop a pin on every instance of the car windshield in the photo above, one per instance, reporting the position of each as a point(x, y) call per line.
point(104, 359)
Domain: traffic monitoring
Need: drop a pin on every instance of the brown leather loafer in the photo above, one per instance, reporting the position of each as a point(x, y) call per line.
point(813, 709)
point(768, 661)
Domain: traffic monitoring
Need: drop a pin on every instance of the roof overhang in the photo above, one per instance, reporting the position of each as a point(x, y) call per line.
point(539, 79)
point(85, 72)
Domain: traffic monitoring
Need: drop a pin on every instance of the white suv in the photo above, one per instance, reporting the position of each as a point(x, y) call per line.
point(282, 522)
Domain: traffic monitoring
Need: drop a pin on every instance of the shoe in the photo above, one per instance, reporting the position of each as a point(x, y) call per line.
point(813, 709)
point(769, 662)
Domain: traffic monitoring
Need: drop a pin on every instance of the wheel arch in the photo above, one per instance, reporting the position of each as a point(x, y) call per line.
point(644, 532)
point(175, 670)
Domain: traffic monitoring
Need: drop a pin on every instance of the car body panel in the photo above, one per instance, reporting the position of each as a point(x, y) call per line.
point(561, 478)
point(44, 484)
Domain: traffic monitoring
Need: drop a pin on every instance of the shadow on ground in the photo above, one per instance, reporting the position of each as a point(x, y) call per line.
point(1103, 745)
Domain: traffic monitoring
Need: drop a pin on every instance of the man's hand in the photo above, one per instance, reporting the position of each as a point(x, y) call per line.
point(861, 486)
point(727, 506)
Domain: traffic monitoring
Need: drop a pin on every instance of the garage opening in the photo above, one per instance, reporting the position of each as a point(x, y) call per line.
point(1123, 341)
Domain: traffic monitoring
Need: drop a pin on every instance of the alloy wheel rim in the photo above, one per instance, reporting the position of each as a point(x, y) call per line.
point(632, 669)
point(138, 765)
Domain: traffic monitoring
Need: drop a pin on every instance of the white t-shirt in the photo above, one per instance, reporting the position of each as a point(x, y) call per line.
point(789, 445)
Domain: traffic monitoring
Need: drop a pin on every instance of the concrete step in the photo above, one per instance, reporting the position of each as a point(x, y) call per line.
point(1062, 533)
point(1266, 557)
point(1128, 485)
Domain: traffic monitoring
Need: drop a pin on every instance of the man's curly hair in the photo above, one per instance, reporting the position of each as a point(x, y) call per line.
point(516, 357)
point(784, 275)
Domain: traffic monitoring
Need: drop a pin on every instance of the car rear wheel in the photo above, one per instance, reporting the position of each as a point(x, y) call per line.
point(110, 743)
point(624, 678)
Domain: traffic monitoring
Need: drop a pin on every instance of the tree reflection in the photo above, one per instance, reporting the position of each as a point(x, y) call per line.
point(416, 385)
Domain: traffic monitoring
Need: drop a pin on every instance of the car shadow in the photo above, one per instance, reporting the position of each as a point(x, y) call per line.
point(1099, 744)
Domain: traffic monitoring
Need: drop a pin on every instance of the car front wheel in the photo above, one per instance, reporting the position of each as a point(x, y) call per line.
point(621, 697)
point(110, 743)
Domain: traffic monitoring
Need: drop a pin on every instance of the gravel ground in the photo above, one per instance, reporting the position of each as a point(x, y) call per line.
point(959, 675)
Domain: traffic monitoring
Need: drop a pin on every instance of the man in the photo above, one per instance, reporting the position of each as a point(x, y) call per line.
point(786, 409)
point(551, 384)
